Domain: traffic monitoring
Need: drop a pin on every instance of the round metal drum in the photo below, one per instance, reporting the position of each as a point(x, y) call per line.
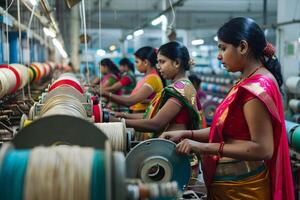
point(156, 160)
point(59, 129)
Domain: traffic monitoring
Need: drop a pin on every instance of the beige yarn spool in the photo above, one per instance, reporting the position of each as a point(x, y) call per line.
point(293, 84)
point(63, 105)
point(116, 133)
point(58, 172)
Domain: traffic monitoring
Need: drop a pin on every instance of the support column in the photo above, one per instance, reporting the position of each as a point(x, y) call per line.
point(74, 37)
point(1, 46)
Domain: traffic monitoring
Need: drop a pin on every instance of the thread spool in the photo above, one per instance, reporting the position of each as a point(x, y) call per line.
point(293, 84)
point(156, 161)
point(97, 113)
point(37, 71)
point(294, 104)
point(63, 105)
point(209, 108)
point(67, 80)
point(32, 74)
point(293, 134)
point(116, 133)
point(13, 78)
point(48, 69)
point(70, 173)
point(23, 72)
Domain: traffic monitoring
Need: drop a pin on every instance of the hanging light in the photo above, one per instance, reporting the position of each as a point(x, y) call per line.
point(49, 32)
point(129, 37)
point(197, 42)
point(100, 52)
point(60, 48)
point(216, 38)
point(138, 32)
point(112, 47)
point(159, 20)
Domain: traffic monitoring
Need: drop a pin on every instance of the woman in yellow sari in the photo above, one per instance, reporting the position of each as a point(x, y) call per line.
point(245, 152)
point(146, 89)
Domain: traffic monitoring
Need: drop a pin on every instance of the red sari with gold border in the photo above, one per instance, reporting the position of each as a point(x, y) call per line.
point(266, 90)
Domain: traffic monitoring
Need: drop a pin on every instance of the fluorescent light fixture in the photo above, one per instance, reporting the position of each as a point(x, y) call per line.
point(60, 48)
point(49, 32)
point(216, 38)
point(100, 52)
point(159, 20)
point(34, 2)
point(129, 37)
point(112, 47)
point(197, 42)
point(138, 32)
point(194, 53)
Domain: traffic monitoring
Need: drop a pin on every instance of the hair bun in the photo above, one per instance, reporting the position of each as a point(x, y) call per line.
point(269, 50)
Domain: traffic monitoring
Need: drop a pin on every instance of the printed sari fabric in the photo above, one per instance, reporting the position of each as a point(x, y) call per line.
point(154, 81)
point(266, 90)
point(185, 93)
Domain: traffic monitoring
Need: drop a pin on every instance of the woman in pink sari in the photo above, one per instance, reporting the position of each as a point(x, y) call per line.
point(245, 152)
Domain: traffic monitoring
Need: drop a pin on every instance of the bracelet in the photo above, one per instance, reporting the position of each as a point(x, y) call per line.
point(221, 149)
point(192, 134)
point(109, 96)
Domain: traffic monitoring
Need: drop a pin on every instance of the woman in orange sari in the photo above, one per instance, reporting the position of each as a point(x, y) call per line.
point(245, 152)
point(147, 88)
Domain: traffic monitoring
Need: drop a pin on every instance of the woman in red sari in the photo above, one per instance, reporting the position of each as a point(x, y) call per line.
point(245, 152)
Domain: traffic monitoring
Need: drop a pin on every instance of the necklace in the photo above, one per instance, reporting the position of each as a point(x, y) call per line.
point(242, 79)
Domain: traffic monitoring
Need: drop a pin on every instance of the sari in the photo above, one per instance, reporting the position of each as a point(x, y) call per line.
point(266, 90)
point(128, 88)
point(108, 80)
point(154, 81)
point(185, 93)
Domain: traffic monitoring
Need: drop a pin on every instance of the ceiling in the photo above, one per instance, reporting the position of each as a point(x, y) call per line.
point(120, 17)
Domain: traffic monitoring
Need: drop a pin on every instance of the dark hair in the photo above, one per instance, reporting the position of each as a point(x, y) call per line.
point(111, 65)
point(147, 53)
point(194, 79)
point(150, 54)
point(128, 63)
point(174, 51)
point(241, 28)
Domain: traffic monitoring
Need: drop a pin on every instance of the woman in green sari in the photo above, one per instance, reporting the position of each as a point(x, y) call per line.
point(175, 108)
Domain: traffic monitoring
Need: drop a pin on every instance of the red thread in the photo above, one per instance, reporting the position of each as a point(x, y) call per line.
point(66, 82)
point(17, 75)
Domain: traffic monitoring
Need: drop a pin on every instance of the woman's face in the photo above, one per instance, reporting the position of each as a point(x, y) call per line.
point(168, 68)
point(104, 69)
point(123, 68)
point(140, 65)
point(229, 56)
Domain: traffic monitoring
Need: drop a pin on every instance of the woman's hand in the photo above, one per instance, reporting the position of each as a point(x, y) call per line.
point(188, 147)
point(175, 136)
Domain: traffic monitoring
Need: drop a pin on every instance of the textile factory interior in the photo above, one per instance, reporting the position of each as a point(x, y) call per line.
point(150, 99)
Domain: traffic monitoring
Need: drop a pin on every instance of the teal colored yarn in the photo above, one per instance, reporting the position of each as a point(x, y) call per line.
point(12, 175)
point(98, 188)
